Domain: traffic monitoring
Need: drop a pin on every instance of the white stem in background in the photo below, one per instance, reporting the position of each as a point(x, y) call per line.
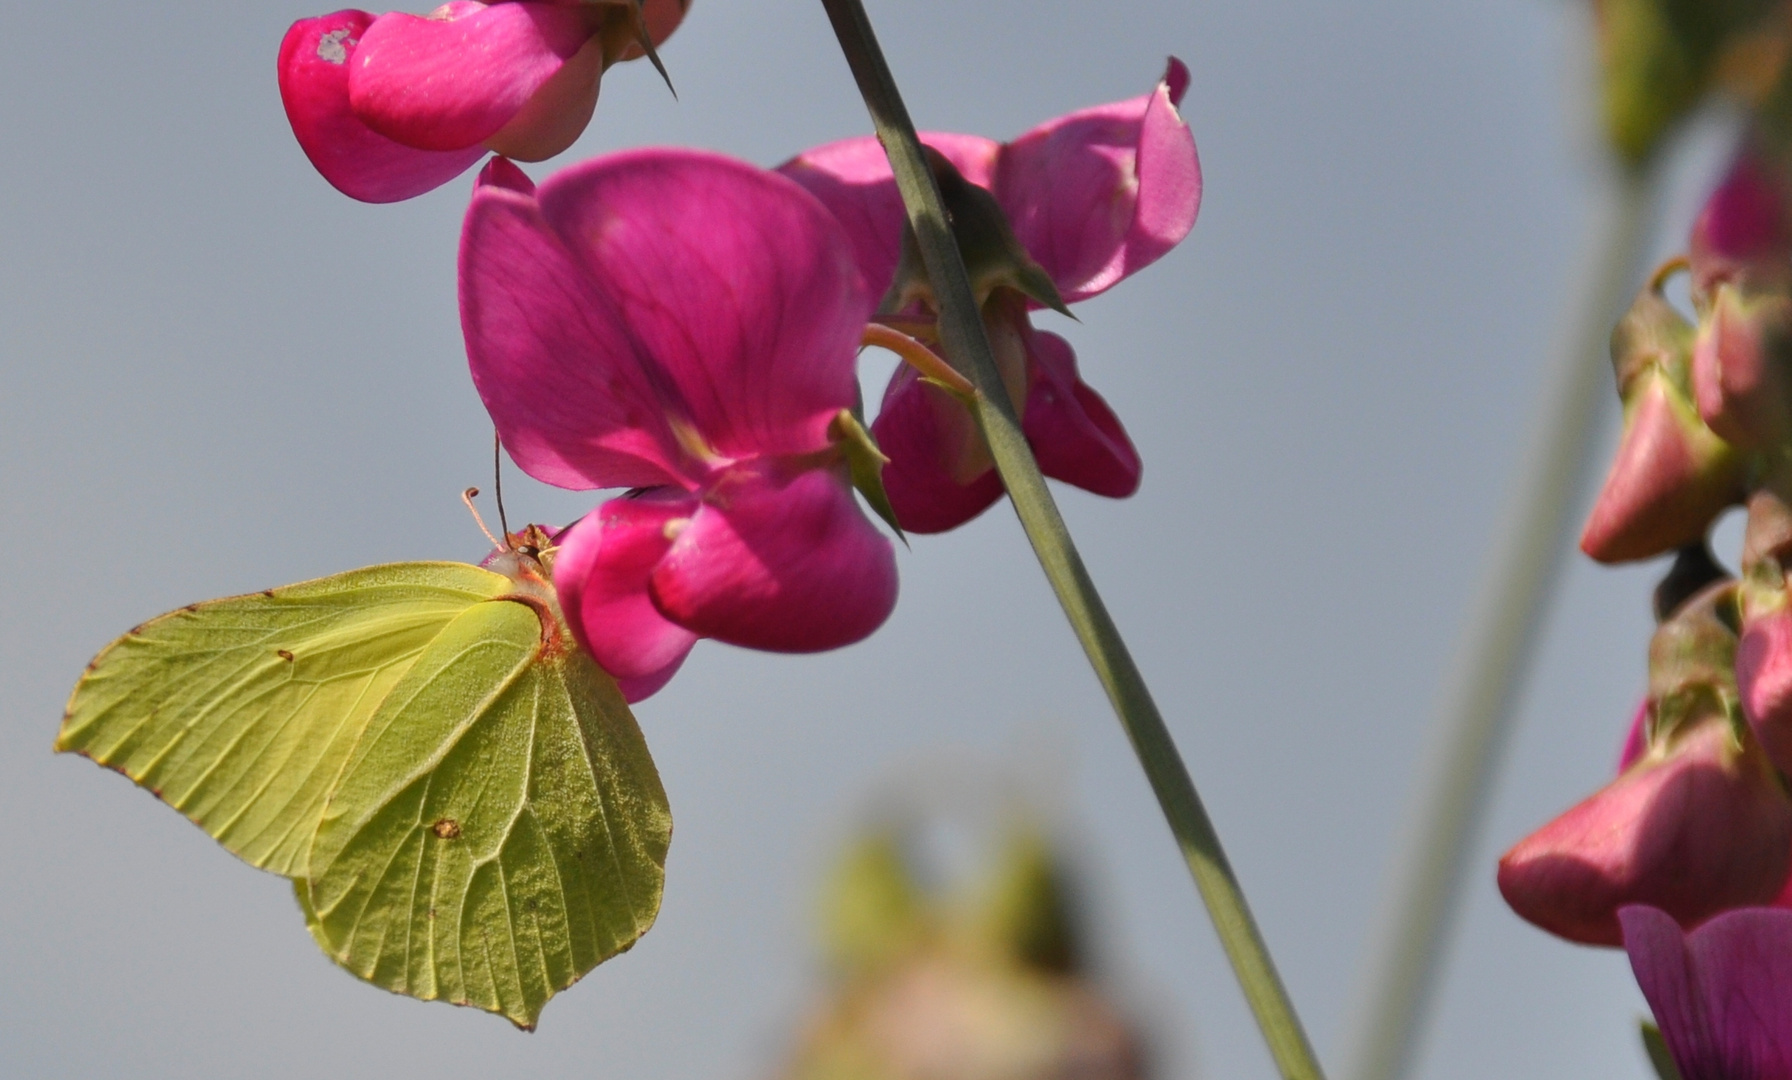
point(1497, 645)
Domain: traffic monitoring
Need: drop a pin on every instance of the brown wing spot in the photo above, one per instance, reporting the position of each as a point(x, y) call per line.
point(446, 829)
point(284, 655)
point(269, 593)
point(190, 608)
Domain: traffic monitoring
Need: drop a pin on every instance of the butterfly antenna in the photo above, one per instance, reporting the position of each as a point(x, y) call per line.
point(467, 497)
point(498, 480)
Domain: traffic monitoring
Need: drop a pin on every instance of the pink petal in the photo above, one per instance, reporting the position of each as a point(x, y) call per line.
point(600, 574)
point(1764, 676)
point(1738, 365)
point(939, 475)
point(453, 79)
point(503, 173)
point(1722, 994)
point(1073, 433)
point(1669, 480)
point(1701, 830)
point(1102, 193)
point(735, 289)
point(1636, 739)
point(551, 357)
point(355, 159)
point(785, 564)
point(556, 114)
point(1743, 225)
point(852, 179)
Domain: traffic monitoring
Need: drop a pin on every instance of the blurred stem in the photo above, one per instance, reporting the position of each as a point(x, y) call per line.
point(962, 338)
point(1488, 670)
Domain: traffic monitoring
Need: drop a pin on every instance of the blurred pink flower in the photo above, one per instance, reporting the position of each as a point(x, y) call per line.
point(1697, 829)
point(1741, 260)
point(1092, 197)
point(1722, 994)
point(686, 325)
point(389, 107)
point(1697, 820)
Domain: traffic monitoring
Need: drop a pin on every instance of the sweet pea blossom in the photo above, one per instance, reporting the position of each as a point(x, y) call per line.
point(1672, 475)
point(1091, 197)
point(388, 107)
point(685, 325)
point(1741, 260)
point(1696, 822)
point(1722, 994)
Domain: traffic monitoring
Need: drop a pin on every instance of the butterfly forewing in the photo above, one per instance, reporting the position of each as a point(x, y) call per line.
point(241, 712)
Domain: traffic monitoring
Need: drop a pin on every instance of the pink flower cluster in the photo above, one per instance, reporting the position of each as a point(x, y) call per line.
point(1685, 857)
point(686, 326)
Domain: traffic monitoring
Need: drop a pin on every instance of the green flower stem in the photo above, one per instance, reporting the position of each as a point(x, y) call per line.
point(962, 338)
point(1475, 709)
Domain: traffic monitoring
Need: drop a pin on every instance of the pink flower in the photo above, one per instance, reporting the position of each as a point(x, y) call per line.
point(686, 325)
point(1696, 822)
point(392, 106)
point(1672, 475)
point(1722, 994)
point(1741, 263)
point(1091, 197)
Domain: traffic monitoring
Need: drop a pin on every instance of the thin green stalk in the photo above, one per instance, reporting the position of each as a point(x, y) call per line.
point(962, 337)
point(1476, 707)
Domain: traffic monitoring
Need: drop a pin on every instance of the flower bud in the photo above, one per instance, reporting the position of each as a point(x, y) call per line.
point(1764, 655)
point(1672, 475)
point(1740, 365)
point(1699, 823)
point(1742, 232)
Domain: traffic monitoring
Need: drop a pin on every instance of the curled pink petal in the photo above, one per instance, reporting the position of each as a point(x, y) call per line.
point(789, 564)
point(356, 160)
point(733, 287)
point(1722, 994)
point(852, 179)
point(1101, 193)
point(940, 475)
point(1703, 828)
point(1764, 675)
point(601, 572)
point(1074, 434)
point(453, 79)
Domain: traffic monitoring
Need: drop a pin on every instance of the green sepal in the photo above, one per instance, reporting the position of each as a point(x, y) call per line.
point(866, 463)
point(993, 256)
point(1027, 910)
point(1657, 1050)
point(874, 911)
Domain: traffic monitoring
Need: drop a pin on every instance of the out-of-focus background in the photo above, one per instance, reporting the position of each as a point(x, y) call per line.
point(221, 375)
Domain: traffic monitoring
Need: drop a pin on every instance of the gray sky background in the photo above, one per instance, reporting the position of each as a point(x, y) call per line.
point(221, 375)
